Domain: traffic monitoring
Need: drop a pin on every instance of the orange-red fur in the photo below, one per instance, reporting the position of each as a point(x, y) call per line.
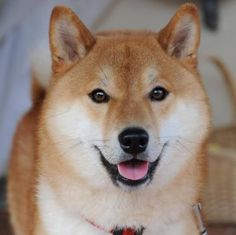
point(35, 152)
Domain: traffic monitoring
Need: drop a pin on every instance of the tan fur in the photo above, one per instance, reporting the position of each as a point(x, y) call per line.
point(21, 189)
point(127, 65)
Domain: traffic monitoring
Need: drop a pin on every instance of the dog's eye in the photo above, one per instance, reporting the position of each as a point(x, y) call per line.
point(158, 94)
point(99, 96)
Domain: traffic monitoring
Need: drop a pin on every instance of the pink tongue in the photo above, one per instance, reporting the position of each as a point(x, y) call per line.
point(133, 170)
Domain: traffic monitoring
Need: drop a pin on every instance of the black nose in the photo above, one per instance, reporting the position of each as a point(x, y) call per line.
point(133, 140)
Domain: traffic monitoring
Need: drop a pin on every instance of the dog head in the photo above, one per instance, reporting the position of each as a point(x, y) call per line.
point(126, 108)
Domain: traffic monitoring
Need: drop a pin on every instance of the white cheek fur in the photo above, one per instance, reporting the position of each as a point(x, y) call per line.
point(186, 121)
point(76, 135)
point(72, 121)
point(184, 130)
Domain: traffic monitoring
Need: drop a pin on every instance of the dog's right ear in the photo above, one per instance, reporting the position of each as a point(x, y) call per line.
point(70, 40)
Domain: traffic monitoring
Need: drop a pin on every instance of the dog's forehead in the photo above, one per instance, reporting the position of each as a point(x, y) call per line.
point(129, 51)
point(128, 59)
point(106, 73)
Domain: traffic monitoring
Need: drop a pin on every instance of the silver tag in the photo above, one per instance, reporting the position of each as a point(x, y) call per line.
point(197, 211)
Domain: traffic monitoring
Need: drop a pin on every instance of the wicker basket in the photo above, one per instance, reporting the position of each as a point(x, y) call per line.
point(220, 194)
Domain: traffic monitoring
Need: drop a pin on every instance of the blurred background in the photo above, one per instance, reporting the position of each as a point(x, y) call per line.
point(24, 27)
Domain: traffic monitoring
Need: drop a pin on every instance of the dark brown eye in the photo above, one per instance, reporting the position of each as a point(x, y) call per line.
point(99, 96)
point(158, 93)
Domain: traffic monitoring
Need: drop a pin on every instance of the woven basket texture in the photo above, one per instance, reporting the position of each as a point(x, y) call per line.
point(220, 192)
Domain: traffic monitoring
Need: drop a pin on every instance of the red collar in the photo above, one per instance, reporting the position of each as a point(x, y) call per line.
point(129, 231)
point(125, 231)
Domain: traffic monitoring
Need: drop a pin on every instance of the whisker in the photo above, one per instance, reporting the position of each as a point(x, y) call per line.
point(189, 140)
point(57, 114)
point(184, 146)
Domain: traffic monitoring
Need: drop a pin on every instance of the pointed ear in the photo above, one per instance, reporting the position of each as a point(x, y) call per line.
point(181, 37)
point(70, 40)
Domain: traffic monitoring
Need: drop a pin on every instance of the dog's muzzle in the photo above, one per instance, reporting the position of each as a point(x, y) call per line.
point(134, 169)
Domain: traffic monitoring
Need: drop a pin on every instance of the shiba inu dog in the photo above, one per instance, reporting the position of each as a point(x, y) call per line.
point(115, 143)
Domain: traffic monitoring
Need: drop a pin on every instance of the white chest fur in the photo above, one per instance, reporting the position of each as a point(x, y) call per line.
point(56, 220)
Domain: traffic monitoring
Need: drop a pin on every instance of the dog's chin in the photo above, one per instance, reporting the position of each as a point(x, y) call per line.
point(131, 174)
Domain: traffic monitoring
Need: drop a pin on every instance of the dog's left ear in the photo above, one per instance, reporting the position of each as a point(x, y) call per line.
point(181, 37)
point(70, 40)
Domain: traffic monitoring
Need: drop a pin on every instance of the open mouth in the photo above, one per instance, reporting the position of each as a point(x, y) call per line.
point(133, 169)
point(133, 172)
